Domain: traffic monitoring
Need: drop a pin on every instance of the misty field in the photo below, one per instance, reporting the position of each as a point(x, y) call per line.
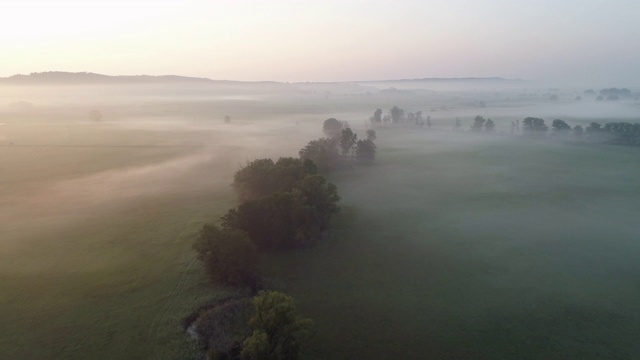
point(469, 248)
point(97, 226)
point(451, 246)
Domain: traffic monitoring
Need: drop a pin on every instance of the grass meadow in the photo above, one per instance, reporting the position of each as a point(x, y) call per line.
point(475, 248)
point(450, 246)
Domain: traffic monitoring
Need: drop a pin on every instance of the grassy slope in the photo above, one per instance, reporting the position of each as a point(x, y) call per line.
point(456, 249)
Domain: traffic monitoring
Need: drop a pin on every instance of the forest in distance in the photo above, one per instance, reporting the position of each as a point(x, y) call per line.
point(171, 218)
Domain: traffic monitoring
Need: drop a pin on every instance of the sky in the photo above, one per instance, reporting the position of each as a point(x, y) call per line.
point(579, 41)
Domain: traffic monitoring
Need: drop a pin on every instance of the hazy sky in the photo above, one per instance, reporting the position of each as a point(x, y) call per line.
point(326, 40)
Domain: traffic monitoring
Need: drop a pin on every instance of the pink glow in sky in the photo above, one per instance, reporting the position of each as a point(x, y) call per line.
point(313, 40)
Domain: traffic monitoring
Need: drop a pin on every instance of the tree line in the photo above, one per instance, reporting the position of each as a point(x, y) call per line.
point(340, 147)
point(620, 133)
point(398, 116)
point(283, 205)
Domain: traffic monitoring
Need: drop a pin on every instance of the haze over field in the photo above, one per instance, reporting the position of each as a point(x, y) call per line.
point(484, 156)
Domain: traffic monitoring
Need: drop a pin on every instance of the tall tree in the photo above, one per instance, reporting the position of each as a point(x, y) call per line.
point(332, 127)
point(347, 140)
point(489, 125)
point(365, 150)
point(371, 135)
point(411, 118)
point(419, 118)
point(376, 119)
point(560, 129)
point(560, 125)
point(322, 197)
point(323, 153)
point(534, 126)
point(578, 131)
point(478, 123)
point(397, 114)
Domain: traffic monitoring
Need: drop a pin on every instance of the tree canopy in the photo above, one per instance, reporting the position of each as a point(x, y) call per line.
point(278, 329)
point(478, 123)
point(347, 140)
point(365, 150)
point(263, 177)
point(534, 126)
point(332, 127)
point(560, 125)
point(229, 256)
point(376, 119)
point(323, 153)
point(489, 126)
point(287, 220)
point(397, 114)
point(371, 135)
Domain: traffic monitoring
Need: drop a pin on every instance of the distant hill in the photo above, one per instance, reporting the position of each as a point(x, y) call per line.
point(61, 78)
point(462, 79)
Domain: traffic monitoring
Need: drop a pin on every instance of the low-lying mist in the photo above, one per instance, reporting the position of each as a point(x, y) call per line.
point(453, 243)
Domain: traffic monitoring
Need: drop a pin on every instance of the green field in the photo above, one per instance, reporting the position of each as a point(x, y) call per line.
point(468, 248)
point(96, 240)
point(451, 246)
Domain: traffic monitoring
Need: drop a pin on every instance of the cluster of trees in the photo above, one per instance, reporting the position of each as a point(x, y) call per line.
point(289, 206)
point(339, 147)
point(611, 94)
point(283, 205)
point(397, 115)
point(622, 133)
point(624, 92)
point(481, 124)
